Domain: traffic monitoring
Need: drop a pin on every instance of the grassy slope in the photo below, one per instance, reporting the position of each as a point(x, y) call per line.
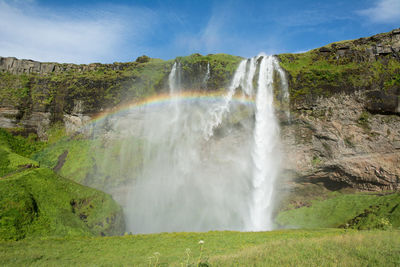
point(372, 211)
point(288, 248)
point(37, 202)
point(85, 160)
point(11, 162)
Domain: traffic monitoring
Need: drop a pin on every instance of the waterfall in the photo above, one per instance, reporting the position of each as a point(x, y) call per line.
point(265, 151)
point(284, 92)
point(264, 154)
point(206, 77)
point(248, 85)
point(206, 163)
point(174, 83)
point(174, 79)
point(216, 113)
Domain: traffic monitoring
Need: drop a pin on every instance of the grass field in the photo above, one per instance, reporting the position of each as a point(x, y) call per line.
point(323, 247)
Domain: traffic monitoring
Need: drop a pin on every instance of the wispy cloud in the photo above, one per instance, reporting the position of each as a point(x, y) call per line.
point(223, 34)
point(383, 11)
point(209, 38)
point(213, 32)
point(79, 36)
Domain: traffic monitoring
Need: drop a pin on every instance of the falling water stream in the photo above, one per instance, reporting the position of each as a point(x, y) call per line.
point(266, 138)
point(207, 163)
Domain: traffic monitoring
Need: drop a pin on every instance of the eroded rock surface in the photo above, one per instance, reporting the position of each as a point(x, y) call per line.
point(337, 142)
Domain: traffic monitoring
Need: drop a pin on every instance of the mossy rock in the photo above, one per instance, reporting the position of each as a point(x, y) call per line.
point(317, 74)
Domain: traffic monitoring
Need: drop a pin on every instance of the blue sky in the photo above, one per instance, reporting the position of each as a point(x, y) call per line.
point(100, 31)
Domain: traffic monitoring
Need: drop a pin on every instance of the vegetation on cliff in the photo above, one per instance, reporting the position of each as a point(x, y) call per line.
point(315, 74)
point(368, 64)
point(105, 86)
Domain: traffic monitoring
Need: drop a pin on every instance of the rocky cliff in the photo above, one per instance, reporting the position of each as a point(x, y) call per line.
point(345, 128)
point(35, 95)
point(344, 101)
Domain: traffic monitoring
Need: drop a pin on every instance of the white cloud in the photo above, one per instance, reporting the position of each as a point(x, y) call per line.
point(209, 38)
point(79, 36)
point(383, 11)
point(212, 33)
point(219, 35)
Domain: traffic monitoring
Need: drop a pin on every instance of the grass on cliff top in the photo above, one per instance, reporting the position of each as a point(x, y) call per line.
point(276, 248)
point(359, 211)
point(218, 62)
point(313, 74)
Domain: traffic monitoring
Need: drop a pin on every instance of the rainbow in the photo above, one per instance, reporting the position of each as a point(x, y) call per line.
point(165, 99)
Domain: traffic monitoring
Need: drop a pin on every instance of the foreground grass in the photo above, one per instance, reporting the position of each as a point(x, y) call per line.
point(287, 247)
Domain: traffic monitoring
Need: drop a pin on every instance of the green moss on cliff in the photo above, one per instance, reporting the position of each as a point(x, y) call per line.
point(194, 68)
point(13, 89)
point(99, 86)
point(315, 74)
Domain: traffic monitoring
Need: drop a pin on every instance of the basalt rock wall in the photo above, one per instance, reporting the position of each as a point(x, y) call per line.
point(345, 104)
point(35, 95)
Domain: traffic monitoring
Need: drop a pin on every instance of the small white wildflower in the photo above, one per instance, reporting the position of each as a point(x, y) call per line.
point(201, 242)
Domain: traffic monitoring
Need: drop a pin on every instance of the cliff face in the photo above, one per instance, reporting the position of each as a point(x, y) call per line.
point(35, 95)
point(370, 65)
point(26, 66)
point(344, 127)
point(339, 144)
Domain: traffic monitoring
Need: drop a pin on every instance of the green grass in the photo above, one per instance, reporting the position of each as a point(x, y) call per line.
point(78, 161)
point(314, 75)
point(330, 247)
point(14, 89)
point(364, 122)
point(85, 160)
point(11, 162)
point(23, 146)
point(36, 202)
point(337, 211)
